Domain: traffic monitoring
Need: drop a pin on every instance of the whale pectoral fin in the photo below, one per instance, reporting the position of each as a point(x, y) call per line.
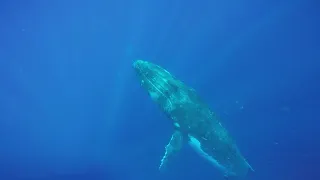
point(172, 148)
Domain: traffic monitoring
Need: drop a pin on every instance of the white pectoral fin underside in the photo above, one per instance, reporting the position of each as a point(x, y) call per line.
point(172, 148)
point(196, 145)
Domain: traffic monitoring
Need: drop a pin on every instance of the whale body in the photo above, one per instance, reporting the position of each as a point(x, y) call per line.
point(193, 121)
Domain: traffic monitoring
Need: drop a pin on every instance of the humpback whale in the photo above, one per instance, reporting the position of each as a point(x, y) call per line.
point(193, 121)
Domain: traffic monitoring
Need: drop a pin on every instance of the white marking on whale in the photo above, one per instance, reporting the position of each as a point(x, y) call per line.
point(196, 145)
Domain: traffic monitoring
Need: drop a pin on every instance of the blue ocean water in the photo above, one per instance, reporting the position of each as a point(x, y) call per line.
point(71, 106)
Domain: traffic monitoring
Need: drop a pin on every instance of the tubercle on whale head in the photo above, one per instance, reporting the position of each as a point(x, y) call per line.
point(143, 70)
point(148, 68)
point(145, 67)
point(149, 74)
point(156, 80)
point(137, 64)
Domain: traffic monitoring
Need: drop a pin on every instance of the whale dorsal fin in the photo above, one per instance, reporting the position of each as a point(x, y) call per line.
point(172, 148)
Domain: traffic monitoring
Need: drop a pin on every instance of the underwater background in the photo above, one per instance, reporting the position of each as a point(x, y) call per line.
point(71, 106)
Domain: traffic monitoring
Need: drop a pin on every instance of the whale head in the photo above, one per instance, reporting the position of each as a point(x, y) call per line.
point(158, 82)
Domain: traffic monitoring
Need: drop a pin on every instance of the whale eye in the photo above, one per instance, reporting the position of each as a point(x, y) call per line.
point(174, 88)
point(166, 93)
